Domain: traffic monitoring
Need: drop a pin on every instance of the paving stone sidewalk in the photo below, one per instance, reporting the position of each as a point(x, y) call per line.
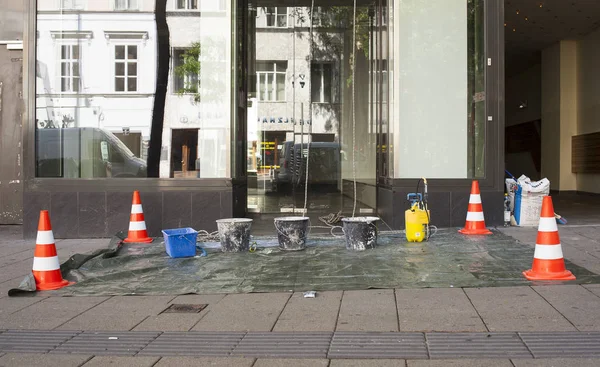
point(530, 309)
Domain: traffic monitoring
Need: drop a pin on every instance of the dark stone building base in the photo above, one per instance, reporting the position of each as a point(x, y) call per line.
point(448, 208)
point(100, 208)
point(88, 213)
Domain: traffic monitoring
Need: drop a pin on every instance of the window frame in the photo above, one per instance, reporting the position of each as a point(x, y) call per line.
point(322, 74)
point(183, 78)
point(274, 72)
point(71, 61)
point(222, 6)
point(83, 5)
point(321, 18)
point(187, 5)
point(126, 71)
point(129, 6)
point(276, 16)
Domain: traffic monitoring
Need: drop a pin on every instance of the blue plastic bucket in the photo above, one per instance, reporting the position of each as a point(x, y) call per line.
point(180, 242)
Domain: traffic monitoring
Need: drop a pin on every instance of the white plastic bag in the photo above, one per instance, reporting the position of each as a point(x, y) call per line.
point(526, 198)
point(539, 187)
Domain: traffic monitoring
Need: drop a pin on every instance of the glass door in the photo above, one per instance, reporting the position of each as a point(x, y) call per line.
point(311, 125)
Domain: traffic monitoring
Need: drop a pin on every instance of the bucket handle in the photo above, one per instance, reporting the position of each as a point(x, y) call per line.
point(286, 236)
point(182, 237)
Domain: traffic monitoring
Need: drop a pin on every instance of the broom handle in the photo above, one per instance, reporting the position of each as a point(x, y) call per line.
point(510, 174)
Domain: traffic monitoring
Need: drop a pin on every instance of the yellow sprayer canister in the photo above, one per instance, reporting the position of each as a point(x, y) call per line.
point(416, 224)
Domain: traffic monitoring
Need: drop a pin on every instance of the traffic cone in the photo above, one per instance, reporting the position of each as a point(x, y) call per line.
point(137, 224)
point(548, 261)
point(46, 268)
point(475, 222)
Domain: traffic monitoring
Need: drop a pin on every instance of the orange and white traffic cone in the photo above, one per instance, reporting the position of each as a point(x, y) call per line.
point(475, 221)
point(46, 267)
point(137, 224)
point(548, 261)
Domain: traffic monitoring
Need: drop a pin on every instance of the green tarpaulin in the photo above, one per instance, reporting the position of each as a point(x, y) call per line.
point(447, 260)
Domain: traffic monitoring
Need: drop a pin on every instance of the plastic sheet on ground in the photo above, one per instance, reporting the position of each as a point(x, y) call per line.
point(447, 260)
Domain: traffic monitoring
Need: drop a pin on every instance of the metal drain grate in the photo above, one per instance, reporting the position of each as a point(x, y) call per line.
point(209, 344)
point(476, 345)
point(378, 345)
point(563, 345)
point(283, 345)
point(107, 343)
point(368, 345)
point(184, 308)
point(33, 341)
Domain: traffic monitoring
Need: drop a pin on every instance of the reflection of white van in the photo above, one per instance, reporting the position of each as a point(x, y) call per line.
point(84, 153)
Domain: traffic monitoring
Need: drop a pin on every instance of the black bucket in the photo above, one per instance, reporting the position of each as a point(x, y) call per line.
point(360, 232)
point(292, 232)
point(234, 234)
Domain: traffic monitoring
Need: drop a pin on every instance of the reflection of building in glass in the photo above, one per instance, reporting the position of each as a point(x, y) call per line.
point(295, 98)
point(96, 67)
point(76, 88)
point(198, 105)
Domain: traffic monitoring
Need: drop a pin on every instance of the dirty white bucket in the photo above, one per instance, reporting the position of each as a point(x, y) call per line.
point(292, 232)
point(360, 232)
point(234, 234)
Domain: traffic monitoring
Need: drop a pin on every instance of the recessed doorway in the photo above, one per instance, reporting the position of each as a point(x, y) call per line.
point(184, 153)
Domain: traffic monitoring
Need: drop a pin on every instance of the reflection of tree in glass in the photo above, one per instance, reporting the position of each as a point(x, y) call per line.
point(337, 18)
point(67, 120)
point(328, 22)
point(204, 87)
point(189, 70)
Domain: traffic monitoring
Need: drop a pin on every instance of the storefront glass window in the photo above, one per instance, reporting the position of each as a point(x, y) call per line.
point(439, 91)
point(96, 82)
point(308, 136)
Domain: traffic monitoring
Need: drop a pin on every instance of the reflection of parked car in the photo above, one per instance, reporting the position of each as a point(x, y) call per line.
point(85, 153)
point(324, 164)
point(282, 176)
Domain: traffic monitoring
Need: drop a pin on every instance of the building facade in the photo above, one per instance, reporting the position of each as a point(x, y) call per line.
point(195, 104)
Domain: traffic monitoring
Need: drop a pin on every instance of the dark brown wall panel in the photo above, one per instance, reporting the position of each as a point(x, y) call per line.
point(586, 153)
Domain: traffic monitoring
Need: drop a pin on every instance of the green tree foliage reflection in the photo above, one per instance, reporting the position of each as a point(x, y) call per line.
point(328, 22)
point(194, 69)
point(189, 70)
